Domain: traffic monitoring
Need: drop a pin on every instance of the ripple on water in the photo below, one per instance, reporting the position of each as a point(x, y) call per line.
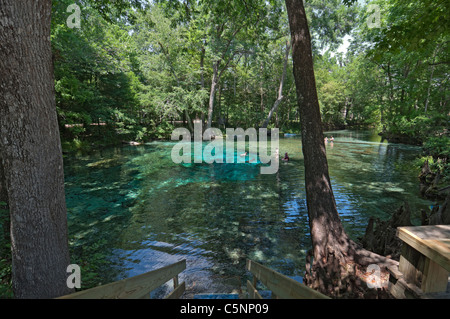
point(141, 211)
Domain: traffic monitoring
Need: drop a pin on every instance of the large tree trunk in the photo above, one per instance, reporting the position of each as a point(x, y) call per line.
point(31, 151)
point(334, 253)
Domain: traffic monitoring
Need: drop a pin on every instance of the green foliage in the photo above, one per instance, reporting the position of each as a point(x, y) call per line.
point(91, 268)
point(133, 74)
point(329, 22)
point(436, 164)
point(136, 72)
point(127, 73)
point(76, 145)
point(93, 73)
point(438, 147)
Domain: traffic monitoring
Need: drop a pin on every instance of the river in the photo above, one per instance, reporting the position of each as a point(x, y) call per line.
point(131, 209)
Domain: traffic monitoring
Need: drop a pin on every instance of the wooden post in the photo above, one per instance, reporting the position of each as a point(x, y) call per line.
point(411, 264)
point(425, 259)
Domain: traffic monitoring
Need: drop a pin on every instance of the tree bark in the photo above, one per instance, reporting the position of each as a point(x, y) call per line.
point(3, 191)
point(212, 93)
point(202, 79)
point(5, 221)
point(333, 252)
point(31, 151)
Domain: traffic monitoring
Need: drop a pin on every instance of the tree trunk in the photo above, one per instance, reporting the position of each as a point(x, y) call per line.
point(31, 151)
point(202, 80)
point(4, 220)
point(280, 90)
point(334, 253)
point(261, 88)
point(3, 191)
point(214, 82)
point(430, 82)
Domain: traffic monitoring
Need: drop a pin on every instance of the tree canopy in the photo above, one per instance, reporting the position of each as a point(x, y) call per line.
point(133, 70)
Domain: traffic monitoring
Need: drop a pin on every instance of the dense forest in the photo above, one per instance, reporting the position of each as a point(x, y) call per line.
point(132, 71)
point(135, 72)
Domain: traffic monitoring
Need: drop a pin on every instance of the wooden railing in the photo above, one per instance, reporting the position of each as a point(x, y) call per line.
point(281, 286)
point(424, 266)
point(137, 287)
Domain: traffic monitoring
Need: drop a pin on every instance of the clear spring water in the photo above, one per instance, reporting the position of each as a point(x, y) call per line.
point(132, 210)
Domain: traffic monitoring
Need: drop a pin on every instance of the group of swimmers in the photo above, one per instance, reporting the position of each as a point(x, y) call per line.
point(286, 156)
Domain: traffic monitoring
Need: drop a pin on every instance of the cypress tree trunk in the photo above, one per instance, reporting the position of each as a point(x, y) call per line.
point(332, 250)
point(31, 151)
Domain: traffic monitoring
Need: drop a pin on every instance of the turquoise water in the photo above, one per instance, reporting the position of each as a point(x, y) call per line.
point(132, 210)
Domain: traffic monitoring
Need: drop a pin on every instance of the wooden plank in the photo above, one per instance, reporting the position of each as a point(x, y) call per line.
point(177, 292)
point(432, 241)
point(282, 286)
point(400, 289)
point(252, 292)
point(425, 259)
point(411, 264)
point(435, 278)
point(131, 288)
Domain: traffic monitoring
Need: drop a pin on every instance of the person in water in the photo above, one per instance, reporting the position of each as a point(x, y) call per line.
point(332, 139)
point(286, 157)
point(326, 139)
point(250, 160)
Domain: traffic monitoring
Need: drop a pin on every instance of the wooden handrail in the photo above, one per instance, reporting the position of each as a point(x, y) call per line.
point(281, 286)
point(136, 287)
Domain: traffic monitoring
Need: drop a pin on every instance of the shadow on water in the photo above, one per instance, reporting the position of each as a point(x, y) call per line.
point(133, 210)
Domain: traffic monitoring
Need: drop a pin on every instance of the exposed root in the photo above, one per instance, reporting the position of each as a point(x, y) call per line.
point(354, 274)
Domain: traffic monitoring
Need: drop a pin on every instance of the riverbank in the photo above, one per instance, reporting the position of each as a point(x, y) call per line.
point(434, 184)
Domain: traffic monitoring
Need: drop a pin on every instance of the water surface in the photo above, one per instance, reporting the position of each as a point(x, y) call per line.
point(132, 210)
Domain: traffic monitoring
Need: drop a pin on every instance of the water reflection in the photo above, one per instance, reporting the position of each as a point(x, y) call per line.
point(141, 211)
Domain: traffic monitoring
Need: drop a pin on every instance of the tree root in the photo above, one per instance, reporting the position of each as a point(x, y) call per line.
point(349, 274)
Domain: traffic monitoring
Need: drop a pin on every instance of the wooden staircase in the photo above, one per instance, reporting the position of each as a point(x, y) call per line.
point(140, 286)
